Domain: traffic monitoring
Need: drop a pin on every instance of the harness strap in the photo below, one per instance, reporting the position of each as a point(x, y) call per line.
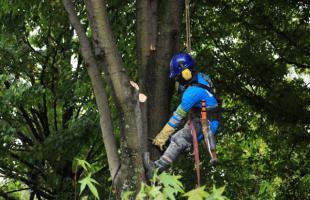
point(196, 152)
point(210, 89)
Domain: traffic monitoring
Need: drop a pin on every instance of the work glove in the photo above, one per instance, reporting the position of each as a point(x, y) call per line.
point(162, 137)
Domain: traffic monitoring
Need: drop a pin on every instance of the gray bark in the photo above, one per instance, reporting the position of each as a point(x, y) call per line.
point(132, 172)
point(159, 86)
point(146, 38)
point(97, 84)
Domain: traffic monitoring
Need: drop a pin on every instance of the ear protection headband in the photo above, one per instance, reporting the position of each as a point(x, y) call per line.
point(186, 73)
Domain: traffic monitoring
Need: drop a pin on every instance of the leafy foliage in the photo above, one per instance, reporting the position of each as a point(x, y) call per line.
point(167, 186)
point(47, 114)
point(250, 49)
point(257, 53)
point(88, 180)
point(200, 194)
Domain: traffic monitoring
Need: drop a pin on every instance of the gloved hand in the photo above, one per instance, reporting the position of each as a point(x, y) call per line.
point(163, 136)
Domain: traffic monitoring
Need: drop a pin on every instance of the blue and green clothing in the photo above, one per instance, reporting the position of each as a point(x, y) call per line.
point(192, 98)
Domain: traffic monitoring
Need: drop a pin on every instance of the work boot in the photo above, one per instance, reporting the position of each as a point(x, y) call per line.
point(162, 164)
point(148, 165)
point(213, 159)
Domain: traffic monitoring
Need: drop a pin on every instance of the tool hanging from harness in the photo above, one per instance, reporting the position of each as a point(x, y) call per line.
point(207, 133)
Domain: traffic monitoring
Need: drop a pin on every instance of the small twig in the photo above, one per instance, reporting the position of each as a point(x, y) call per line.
point(17, 190)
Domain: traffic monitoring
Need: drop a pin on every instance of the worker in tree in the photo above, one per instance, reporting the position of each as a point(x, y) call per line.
point(195, 88)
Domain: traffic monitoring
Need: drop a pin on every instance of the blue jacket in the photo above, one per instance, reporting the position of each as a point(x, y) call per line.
point(192, 97)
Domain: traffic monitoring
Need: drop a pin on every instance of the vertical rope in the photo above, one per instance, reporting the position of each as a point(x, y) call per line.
point(196, 152)
point(188, 27)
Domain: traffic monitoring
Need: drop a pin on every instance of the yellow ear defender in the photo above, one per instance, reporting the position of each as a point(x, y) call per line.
point(186, 73)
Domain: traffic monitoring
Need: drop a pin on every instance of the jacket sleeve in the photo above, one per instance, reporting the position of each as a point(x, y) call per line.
point(177, 117)
point(190, 97)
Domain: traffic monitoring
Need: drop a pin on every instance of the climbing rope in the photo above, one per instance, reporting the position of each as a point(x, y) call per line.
point(188, 27)
point(196, 152)
point(194, 134)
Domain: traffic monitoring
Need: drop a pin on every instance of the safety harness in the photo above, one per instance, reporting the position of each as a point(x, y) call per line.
point(214, 114)
point(205, 131)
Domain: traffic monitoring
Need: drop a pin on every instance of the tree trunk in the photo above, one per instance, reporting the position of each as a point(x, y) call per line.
point(132, 171)
point(159, 86)
point(97, 83)
point(146, 38)
point(154, 50)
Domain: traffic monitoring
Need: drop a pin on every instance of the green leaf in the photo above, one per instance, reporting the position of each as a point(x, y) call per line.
point(94, 181)
point(155, 177)
point(217, 194)
point(88, 181)
point(169, 192)
point(93, 189)
point(141, 195)
point(171, 181)
point(84, 164)
point(126, 195)
point(83, 183)
point(218, 191)
point(197, 194)
point(154, 191)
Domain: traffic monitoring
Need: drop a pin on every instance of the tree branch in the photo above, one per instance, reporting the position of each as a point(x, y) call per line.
point(30, 124)
point(299, 65)
point(42, 191)
point(18, 190)
point(36, 120)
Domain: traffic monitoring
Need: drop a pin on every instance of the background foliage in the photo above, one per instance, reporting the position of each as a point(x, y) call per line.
point(257, 52)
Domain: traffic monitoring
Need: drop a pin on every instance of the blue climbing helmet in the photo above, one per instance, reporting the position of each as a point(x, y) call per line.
point(179, 62)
